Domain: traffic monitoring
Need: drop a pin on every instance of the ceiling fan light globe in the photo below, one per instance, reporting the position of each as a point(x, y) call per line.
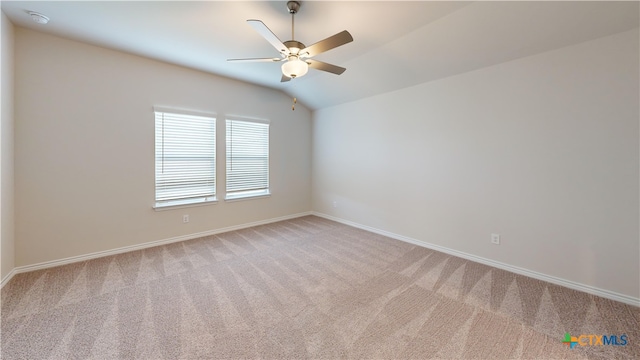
point(295, 68)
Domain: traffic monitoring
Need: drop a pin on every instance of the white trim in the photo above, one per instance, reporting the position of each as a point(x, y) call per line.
point(179, 204)
point(246, 118)
point(9, 276)
point(234, 197)
point(99, 254)
point(514, 269)
point(179, 111)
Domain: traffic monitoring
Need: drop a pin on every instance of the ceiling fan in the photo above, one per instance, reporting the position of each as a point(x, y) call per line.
point(296, 55)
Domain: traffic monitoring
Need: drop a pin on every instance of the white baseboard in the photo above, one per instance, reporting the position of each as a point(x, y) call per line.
point(9, 276)
point(514, 269)
point(99, 254)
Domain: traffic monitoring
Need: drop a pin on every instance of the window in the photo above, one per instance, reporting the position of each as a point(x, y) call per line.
point(185, 158)
point(247, 158)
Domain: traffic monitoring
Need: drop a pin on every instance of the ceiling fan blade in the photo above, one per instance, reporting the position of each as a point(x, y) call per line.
point(256, 60)
point(263, 30)
point(327, 44)
point(319, 65)
point(285, 78)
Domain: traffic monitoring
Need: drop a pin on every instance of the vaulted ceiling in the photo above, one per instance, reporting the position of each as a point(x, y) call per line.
point(396, 44)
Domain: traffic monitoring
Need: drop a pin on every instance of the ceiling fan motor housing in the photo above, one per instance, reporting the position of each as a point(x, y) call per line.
point(292, 45)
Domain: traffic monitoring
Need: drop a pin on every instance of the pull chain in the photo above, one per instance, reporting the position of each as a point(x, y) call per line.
point(293, 106)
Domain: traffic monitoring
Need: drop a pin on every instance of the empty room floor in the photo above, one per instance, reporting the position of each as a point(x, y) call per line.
point(301, 288)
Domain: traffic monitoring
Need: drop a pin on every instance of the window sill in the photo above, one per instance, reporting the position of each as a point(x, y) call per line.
point(241, 197)
point(179, 204)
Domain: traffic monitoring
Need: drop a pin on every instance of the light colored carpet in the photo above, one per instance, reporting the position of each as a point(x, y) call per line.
point(303, 288)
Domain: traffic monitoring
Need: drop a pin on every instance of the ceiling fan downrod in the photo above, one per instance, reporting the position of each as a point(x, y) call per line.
point(293, 7)
point(293, 45)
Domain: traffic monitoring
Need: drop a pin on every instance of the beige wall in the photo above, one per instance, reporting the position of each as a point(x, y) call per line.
point(542, 150)
point(84, 147)
point(6, 149)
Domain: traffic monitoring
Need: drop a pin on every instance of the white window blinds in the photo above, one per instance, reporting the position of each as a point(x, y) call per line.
point(247, 158)
point(185, 158)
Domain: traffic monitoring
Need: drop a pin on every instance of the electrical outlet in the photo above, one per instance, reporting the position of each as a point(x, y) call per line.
point(495, 239)
point(185, 218)
point(335, 204)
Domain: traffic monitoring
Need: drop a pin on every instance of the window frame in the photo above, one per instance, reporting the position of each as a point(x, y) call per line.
point(186, 201)
point(248, 194)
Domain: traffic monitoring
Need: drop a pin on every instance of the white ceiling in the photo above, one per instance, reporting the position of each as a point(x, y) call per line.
point(396, 44)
